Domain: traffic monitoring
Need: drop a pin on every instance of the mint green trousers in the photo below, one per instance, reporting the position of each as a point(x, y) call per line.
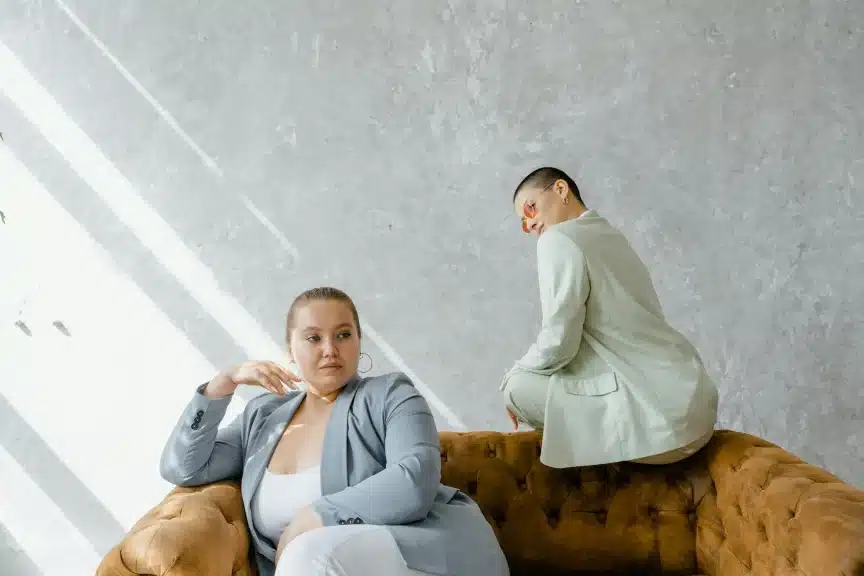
point(525, 394)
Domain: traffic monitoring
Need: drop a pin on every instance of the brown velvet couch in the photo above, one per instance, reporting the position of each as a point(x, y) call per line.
point(740, 506)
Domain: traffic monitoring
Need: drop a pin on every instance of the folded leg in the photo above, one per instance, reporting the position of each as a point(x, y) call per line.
point(525, 394)
point(355, 550)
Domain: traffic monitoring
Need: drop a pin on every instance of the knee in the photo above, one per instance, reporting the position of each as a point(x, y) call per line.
point(507, 395)
point(511, 381)
point(304, 555)
point(515, 387)
point(525, 395)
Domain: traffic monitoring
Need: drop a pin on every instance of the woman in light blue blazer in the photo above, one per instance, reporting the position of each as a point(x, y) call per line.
point(339, 474)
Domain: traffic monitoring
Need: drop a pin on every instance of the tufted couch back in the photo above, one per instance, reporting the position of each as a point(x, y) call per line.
point(740, 506)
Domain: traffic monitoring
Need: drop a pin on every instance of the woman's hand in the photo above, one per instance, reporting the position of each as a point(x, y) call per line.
point(267, 375)
point(513, 419)
point(305, 520)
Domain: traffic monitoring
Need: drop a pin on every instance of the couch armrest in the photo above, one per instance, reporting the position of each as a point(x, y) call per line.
point(771, 513)
point(193, 531)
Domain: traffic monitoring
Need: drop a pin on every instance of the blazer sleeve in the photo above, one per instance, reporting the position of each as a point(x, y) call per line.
point(198, 452)
point(564, 288)
point(405, 490)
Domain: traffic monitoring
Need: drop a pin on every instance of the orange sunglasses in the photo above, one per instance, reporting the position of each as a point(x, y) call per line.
point(529, 211)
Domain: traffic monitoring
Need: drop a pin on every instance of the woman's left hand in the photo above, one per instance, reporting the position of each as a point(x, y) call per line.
point(305, 520)
point(513, 418)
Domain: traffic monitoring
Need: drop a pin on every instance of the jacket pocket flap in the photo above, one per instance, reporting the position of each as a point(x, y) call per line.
point(596, 386)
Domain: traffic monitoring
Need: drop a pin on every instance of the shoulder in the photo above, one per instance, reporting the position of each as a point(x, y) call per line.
point(389, 391)
point(384, 385)
point(264, 404)
point(588, 230)
point(559, 237)
point(559, 246)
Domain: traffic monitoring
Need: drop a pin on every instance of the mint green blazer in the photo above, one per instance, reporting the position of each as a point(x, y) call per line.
point(624, 383)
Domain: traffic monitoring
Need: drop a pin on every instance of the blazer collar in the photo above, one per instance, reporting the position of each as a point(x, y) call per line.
point(588, 217)
point(334, 457)
point(273, 428)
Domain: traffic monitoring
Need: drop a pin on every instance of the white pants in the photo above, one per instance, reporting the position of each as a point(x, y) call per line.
point(350, 550)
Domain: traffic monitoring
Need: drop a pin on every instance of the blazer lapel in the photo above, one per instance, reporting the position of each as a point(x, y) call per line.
point(263, 447)
point(334, 460)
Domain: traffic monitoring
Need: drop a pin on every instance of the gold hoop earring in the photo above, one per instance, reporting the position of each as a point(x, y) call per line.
point(362, 354)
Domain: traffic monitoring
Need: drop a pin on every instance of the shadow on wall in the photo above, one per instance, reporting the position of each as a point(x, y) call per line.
point(82, 508)
point(13, 559)
point(125, 250)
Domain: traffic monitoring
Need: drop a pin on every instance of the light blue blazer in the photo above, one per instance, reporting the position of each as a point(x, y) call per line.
point(381, 465)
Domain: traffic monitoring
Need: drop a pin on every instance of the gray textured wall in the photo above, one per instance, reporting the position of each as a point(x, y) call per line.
point(384, 139)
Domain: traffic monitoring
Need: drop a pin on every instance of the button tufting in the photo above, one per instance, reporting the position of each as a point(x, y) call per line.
point(623, 478)
point(602, 516)
point(573, 477)
point(585, 515)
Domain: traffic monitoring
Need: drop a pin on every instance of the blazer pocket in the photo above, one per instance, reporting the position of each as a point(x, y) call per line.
point(596, 386)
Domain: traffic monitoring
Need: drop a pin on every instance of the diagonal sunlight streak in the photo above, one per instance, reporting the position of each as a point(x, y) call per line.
point(385, 347)
point(118, 193)
point(42, 530)
point(283, 241)
point(211, 165)
point(433, 399)
point(88, 161)
point(172, 122)
point(60, 424)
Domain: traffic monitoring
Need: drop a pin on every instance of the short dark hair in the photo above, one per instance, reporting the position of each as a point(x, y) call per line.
point(323, 293)
point(546, 176)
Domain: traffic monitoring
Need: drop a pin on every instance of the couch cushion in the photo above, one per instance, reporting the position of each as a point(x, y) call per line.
point(772, 513)
point(623, 518)
point(194, 531)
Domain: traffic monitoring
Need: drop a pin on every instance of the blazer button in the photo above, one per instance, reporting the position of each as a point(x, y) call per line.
point(199, 413)
point(196, 425)
point(341, 522)
point(358, 521)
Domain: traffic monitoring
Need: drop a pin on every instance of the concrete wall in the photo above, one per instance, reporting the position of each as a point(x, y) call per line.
point(383, 141)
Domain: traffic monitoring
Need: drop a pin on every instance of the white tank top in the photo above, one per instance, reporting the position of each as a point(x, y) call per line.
point(280, 496)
